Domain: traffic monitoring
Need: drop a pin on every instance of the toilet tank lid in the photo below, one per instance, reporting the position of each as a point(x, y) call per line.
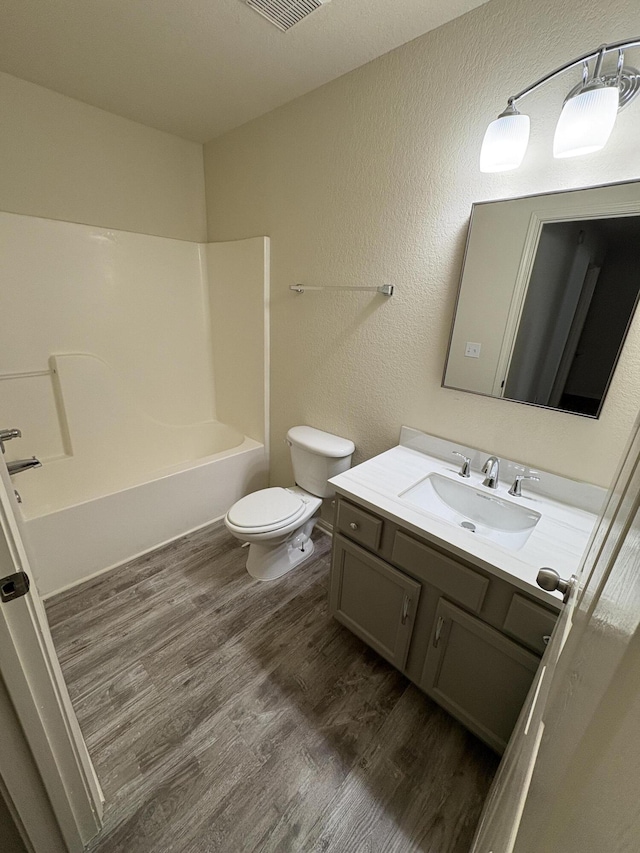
point(322, 443)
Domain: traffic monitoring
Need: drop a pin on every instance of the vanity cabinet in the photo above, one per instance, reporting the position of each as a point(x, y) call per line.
point(471, 640)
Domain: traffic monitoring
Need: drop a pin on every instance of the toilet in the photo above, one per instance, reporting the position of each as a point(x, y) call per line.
point(277, 523)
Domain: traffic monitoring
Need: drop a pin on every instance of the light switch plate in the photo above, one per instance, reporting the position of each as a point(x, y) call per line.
point(472, 350)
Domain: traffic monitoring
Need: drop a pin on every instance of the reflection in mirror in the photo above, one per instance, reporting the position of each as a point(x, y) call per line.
point(581, 297)
point(547, 297)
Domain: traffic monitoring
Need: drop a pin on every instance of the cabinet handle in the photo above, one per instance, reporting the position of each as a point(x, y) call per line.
point(436, 637)
point(353, 525)
point(405, 608)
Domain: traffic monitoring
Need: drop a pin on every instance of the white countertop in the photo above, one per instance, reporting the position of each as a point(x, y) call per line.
point(558, 540)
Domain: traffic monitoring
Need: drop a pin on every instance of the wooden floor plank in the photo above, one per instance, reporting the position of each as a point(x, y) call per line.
point(225, 714)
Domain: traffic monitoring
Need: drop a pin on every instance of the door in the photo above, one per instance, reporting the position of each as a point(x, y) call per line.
point(570, 776)
point(45, 771)
point(376, 602)
point(480, 676)
point(573, 339)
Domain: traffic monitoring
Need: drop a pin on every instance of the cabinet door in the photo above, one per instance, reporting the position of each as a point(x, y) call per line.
point(373, 600)
point(477, 674)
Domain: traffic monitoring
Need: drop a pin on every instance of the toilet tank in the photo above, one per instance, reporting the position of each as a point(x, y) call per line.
point(317, 456)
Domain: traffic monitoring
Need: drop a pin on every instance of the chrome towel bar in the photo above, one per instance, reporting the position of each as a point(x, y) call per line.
point(385, 289)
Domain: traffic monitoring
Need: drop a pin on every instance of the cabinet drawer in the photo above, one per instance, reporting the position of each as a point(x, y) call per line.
point(360, 525)
point(456, 581)
point(529, 622)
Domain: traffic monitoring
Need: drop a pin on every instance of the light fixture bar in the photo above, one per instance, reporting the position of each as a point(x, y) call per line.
point(600, 52)
point(588, 114)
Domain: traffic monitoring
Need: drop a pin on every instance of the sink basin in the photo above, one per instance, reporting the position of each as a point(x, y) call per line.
point(475, 510)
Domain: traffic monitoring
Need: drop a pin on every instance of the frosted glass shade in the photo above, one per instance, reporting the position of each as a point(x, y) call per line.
point(505, 143)
point(586, 122)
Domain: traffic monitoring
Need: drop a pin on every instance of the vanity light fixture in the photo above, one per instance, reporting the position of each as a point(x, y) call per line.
point(587, 118)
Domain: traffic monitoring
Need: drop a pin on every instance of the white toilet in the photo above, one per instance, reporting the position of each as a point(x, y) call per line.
point(277, 523)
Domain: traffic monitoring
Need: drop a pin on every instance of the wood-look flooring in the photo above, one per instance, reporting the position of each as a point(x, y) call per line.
point(225, 714)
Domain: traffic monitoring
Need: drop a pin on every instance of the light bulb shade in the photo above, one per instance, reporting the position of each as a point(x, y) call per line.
point(586, 122)
point(505, 143)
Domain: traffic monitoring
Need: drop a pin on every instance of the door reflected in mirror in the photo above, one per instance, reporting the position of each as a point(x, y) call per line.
point(547, 297)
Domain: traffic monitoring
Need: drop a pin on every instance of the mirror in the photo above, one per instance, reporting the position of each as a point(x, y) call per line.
point(548, 292)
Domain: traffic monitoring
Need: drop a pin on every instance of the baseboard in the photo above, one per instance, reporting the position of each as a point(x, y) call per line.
point(325, 526)
point(214, 523)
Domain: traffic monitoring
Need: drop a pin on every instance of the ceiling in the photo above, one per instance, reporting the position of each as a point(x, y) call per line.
point(197, 68)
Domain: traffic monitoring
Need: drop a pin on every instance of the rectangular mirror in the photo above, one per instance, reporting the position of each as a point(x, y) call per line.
point(548, 291)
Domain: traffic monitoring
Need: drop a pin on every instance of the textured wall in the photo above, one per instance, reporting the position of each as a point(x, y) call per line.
point(63, 159)
point(370, 179)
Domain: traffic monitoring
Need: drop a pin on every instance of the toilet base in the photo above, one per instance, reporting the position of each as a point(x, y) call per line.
point(269, 562)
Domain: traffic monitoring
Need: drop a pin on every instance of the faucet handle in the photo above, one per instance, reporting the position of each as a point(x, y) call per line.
point(516, 488)
point(466, 465)
point(7, 435)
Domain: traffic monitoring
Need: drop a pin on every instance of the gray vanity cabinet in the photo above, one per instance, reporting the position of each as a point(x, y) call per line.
point(477, 674)
point(375, 601)
point(471, 640)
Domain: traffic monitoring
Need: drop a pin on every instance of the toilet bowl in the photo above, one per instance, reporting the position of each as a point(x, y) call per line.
point(277, 522)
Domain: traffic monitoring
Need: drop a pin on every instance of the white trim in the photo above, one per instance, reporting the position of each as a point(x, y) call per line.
point(524, 793)
point(267, 355)
point(32, 814)
point(325, 526)
point(33, 680)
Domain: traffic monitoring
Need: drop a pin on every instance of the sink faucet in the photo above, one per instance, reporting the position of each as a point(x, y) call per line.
point(23, 465)
point(492, 469)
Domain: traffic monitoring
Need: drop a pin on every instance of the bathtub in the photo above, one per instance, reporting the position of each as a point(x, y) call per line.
point(73, 532)
point(126, 482)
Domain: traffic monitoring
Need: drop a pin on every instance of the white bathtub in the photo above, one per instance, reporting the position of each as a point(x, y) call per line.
point(76, 527)
point(126, 481)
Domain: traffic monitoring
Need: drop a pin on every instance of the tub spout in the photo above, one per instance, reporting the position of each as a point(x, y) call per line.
point(23, 465)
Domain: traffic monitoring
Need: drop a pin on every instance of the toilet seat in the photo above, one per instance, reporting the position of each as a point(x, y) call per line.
point(266, 510)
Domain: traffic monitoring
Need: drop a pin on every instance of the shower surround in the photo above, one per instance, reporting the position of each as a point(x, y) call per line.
point(136, 368)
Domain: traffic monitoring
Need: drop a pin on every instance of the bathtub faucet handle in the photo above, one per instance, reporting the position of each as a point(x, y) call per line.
point(7, 435)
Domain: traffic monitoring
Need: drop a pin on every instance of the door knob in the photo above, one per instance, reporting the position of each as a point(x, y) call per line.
point(551, 581)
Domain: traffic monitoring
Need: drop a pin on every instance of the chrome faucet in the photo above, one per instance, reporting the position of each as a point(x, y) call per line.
point(21, 465)
point(7, 435)
point(516, 488)
point(492, 469)
point(466, 464)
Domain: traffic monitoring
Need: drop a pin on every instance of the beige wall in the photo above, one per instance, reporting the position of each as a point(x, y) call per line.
point(63, 159)
point(369, 180)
